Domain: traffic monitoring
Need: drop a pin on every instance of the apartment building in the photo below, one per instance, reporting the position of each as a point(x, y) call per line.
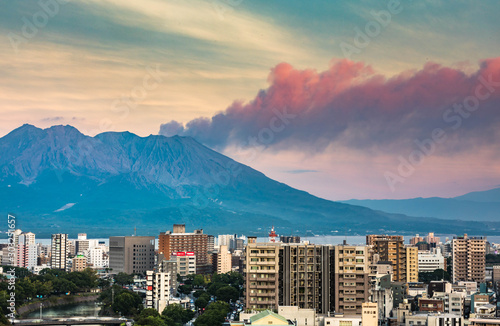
point(468, 257)
point(224, 260)
point(304, 276)
point(186, 262)
point(131, 254)
point(59, 251)
point(180, 241)
point(391, 248)
point(411, 264)
point(79, 263)
point(351, 284)
point(261, 275)
point(157, 290)
point(26, 251)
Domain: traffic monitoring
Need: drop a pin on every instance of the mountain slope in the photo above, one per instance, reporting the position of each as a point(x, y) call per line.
point(474, 206)
point(59, 180)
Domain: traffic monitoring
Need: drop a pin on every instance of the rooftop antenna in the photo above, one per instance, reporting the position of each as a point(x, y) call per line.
point(135, 231)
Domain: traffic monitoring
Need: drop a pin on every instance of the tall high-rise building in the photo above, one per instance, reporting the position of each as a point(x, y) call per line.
point(351, 285)
point(411, 264)
point(304, 276)
point(261, 275)
point(180, 241)
point(59, 251)
point(468, 254)
point(320, 277)
point(390, 248)
point(131, 254)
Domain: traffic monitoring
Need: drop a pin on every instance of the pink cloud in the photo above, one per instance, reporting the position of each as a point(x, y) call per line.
point(351, 105)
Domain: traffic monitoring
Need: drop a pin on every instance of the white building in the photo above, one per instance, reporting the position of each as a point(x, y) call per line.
point(95, 257)
point(429, 261)
point(158, 290)
point(224, 239)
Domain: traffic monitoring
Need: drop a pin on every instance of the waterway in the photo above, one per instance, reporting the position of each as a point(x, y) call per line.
point(83, 309)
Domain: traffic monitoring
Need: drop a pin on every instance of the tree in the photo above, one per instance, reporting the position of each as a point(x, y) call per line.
point(124, 278)
point(213, 287)
point(127, 303)
point(227, 293)
point(437, 275)
point(199, 281)
point(214, 315)
point(177, 314)
point(198, 293)
point(103, 283)
point(149, 316)
point(185, 289)
point(210, 318)
point(62, 285)
point(201, 302)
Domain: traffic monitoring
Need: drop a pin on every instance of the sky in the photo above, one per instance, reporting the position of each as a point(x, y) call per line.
point(353, 99)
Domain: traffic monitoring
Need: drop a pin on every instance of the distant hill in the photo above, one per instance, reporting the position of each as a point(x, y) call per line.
point(474, 206)
point(59, 180)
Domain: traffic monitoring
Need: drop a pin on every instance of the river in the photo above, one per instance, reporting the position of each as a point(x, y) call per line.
point(83, 309)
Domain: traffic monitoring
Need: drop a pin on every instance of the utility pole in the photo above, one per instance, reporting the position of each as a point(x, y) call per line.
point(41, 305)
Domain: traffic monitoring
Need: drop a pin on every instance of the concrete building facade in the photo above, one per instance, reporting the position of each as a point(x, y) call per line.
point(59, 251)
point(131, 254)
point(468, 257)
point(180, 241)
point(391, 248)
point(261, 275)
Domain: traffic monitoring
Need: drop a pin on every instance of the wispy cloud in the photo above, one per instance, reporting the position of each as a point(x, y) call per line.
point(301, 171)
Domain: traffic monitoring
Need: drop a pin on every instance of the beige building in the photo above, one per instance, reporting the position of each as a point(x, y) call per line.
point(186, 262)
point(468, 256)
point(224, 260)
point(79, 263)
point(369, 315)
point(131, 255)
point(261, 275)
point(391, 248)
point(411, 264)
point(351, 284)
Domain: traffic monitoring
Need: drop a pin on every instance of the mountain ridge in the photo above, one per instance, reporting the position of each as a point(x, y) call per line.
point(472, 206)
point(116, 181)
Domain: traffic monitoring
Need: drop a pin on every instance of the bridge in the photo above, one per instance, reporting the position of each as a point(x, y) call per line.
point(73, 321)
